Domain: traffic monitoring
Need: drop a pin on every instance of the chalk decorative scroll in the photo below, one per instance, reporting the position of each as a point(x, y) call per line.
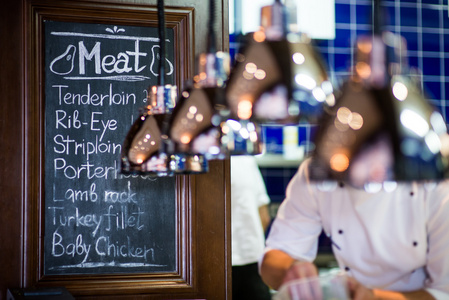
point(96, 219)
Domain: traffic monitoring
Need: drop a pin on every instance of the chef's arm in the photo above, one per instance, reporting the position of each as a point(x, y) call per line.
point(264, 217)
point(274, 266)
point(360, 292)
point(417, 295)
point(277, 267)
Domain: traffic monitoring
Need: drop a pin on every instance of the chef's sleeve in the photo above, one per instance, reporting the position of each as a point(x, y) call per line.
point(297, 225)
point(438, 242)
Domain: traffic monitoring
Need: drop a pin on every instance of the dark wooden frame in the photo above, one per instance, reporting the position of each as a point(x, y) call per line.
point(202, 245)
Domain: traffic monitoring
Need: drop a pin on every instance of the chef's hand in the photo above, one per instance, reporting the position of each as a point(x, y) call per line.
point(357, 291)
point(308, 286)
point(300, 270)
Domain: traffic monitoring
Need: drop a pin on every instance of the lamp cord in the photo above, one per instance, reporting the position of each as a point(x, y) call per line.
point(211, 47)
point(161, 27)
point(377, 18)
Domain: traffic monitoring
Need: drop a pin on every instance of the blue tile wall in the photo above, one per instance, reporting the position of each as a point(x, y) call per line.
point(272, 137)
point(276, 181)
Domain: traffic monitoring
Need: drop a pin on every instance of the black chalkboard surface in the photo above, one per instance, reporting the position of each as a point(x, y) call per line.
point(96, 219)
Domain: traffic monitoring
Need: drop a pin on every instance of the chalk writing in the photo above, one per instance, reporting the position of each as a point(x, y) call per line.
point(123, 62)
point(93, 99)
point(96, 219)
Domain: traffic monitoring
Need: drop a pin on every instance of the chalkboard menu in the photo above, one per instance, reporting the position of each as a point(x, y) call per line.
point(96, 219)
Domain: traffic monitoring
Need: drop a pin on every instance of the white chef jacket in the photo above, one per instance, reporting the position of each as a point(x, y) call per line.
point(248, 193)
point(396, 240)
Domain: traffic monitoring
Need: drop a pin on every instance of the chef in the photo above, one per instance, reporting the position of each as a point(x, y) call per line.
point(392, 244)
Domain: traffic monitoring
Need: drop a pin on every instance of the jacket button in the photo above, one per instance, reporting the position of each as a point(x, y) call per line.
point(415, 243)
point(340, 231)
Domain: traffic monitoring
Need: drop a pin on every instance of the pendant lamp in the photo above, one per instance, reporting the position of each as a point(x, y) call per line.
point(279, 77)
point(198, 127)
point(146, 149)
point(382, 128)
point(192, 132)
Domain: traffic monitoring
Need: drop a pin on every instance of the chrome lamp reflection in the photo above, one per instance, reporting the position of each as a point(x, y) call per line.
point(146, 148)
point(279, 77)
point(382, 129)
point(194, 134)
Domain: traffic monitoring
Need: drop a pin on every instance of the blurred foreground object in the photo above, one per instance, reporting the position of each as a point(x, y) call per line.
point(279, 77)
point(382, 128)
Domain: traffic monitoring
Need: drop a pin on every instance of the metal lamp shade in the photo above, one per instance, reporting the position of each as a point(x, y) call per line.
point(142, 152)
point(146, 149)
point(190, 130)
point(381, 129)
point(279, 81)
point(423, 144)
